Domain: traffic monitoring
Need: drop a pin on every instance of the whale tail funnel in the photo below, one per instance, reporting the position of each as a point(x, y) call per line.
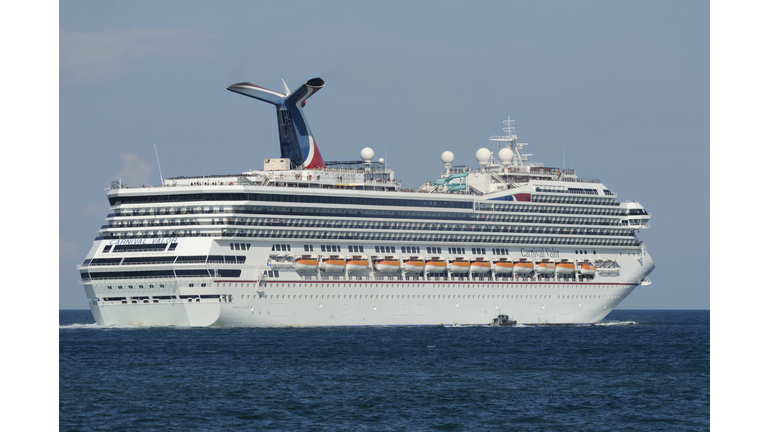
point(296, 140)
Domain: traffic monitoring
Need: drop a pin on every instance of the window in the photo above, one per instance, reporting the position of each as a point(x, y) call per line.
point(152, 247)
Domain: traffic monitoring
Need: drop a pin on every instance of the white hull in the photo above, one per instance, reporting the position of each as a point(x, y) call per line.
point(333, 299)
point(425, 303)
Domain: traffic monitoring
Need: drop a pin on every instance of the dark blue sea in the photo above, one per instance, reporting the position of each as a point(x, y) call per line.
point(638, 370)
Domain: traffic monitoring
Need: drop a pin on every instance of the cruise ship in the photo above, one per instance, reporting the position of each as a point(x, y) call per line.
point(309, 242)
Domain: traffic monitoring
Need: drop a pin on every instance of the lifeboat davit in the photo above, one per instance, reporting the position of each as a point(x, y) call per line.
point(565, 268)
point(414, 266)
point(480, 267)
point(587, 269)
point(387, 266)
point(459, 266)
point(357, 265)
point(306, 265)
point(334, 265)
point(436, 266)
point(523, 268)
point(503, 267)
point(545, 268)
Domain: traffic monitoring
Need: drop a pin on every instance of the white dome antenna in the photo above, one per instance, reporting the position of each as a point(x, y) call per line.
point(483, 157)
point(505, 156)
point(366, 155)
point(447, 158)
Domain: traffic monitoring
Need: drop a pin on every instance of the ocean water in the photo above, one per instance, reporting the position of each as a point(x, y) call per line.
point(637, 370)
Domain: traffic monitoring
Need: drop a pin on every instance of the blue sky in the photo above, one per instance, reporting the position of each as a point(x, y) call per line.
point(619, 90)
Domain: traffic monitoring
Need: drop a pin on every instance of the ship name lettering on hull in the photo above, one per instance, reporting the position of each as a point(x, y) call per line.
point(540, 253)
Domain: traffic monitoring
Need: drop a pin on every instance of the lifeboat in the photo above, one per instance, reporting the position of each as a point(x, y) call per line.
point(436, 266)
point(503, 267)
point(357, 265)
point(307, 265)
point(523, 268)
point(587, 269)
point(387, 266)
point(414, 266)
point(459, 266)
point(565, 268)
point(334, 265)
point(545, 268)
point(480, 267)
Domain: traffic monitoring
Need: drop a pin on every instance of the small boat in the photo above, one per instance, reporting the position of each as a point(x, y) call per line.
point(307, 265)
point(503, 321)
point(414, 265)
point(459, 266)
point(436, 266)
point(587, 269)
point(565, 268)
point(334, 265)
point(545, 268)
point(357, 265)
point(479, 267)
point(503, 267)
point(387, 266)
point(523, 267)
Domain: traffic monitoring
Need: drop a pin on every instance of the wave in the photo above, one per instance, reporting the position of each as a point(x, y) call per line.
point(616, 323)
point(95, 326)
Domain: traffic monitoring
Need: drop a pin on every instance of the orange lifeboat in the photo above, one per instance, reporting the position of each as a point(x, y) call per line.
point(587, 269)
point(523, 268)
point(503, 267)
point(387, 266)
point(334, 265)
point(545, 268)
point(479, 267)
point(459, 266)
point(414, 265)
point(565, 268)
point(357, 265)
point(307, 265)
point(436, 266)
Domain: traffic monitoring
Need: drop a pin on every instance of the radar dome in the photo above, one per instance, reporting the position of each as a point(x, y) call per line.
point(381, 160)
point(366, 154)
point(447, 157)
point(506, 155)
point(483, 156)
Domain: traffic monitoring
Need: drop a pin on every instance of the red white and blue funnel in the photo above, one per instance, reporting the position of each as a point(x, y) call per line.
point(296, 140)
